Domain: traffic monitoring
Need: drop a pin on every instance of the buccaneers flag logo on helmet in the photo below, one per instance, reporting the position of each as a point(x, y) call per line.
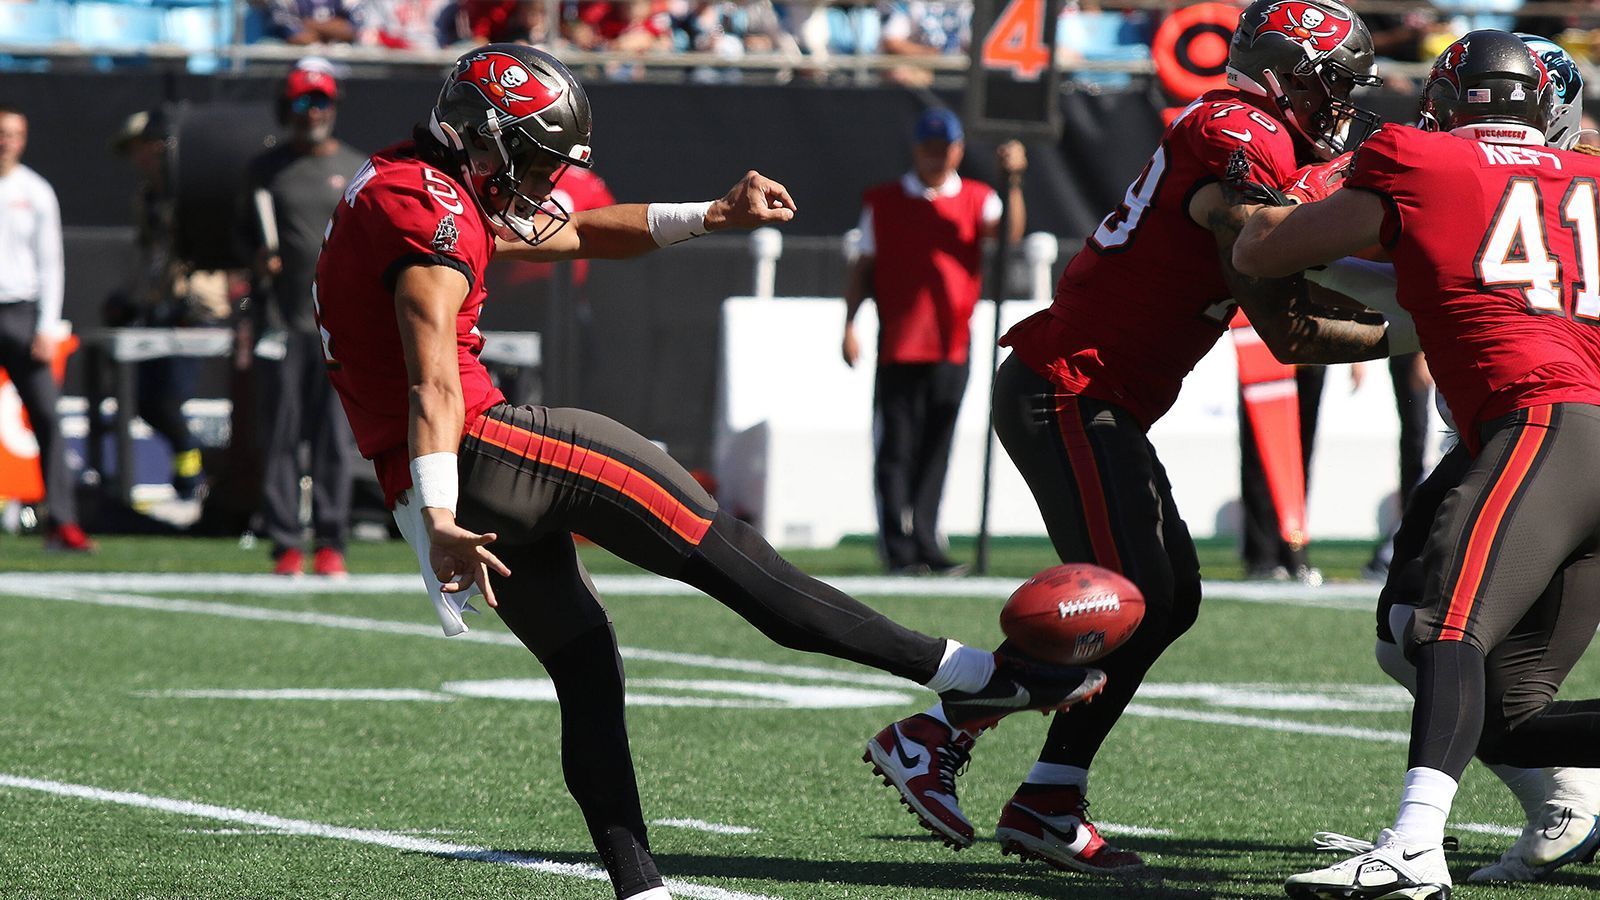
point(1316, 29)
point(505, 82)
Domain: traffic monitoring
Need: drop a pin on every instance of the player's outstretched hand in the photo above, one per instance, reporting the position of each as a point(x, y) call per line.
point(1315, 182)
point(755, 201)
point(459, 558)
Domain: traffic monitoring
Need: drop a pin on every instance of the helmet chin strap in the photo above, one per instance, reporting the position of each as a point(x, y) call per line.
point(503, 224)
point(1239, 81)
point(444, 134)
point(1280, 98)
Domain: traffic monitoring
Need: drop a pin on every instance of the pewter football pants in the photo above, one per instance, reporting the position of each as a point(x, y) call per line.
point(1106, 500)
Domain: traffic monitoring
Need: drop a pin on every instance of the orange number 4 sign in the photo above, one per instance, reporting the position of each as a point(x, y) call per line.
point(1016, 41)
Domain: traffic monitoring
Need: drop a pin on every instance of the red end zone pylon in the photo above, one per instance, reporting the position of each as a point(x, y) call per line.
point(21, 478)
point(1272, 401)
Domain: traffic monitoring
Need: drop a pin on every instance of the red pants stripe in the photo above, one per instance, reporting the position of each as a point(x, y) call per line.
point(595, 466)
point(1096, 512)
point(1490, 521)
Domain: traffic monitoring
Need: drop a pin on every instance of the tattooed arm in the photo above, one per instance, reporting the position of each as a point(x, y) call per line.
point(1295, 330)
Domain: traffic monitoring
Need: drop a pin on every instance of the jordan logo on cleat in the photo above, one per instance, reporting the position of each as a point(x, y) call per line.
point(910, 762)
point(1048, 824)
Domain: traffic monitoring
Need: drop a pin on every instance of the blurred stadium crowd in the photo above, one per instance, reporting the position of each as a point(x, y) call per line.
point(1103, 35)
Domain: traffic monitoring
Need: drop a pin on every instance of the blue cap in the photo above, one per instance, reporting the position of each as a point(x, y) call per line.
point(938, 124)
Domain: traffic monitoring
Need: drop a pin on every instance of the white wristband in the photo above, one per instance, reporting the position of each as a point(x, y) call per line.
point(674, 223)
point(434, 476)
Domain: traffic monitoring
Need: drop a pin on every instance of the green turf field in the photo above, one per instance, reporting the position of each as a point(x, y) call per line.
point(1010, 557)
point(219, 741)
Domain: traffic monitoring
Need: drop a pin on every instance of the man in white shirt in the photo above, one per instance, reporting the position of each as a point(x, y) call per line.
point(30, 316)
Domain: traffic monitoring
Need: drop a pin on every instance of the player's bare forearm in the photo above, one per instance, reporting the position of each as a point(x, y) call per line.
point(1293, 329)
point(1246, 247)
point(427, 301)
point(1284, 240)
point(1017, 214)
point(625, 230)
point(1289, 326)
point(1318, 340)
point(621, 231)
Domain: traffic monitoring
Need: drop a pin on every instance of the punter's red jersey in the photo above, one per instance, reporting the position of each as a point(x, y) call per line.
point(1496, 252)
point(1145, 299)
point(397, 212)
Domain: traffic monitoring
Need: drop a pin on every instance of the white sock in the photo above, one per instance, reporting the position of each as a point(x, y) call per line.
point(936, 713)
point(1424, 807)
point(962, 669)
point(659, 893)
point(1578, 789)
point(1056, 773)
point(1527, 785)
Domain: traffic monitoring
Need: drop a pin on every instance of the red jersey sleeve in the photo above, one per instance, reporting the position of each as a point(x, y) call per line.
point(1380, 161)
point(423, 218)
point(1226, 135)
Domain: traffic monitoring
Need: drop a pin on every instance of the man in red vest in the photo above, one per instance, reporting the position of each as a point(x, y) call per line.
point(921, 262)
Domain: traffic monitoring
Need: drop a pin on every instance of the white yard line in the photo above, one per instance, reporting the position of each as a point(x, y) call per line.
point(358, 623)
point(368, 695)
point(1486, 828)
point(1284, 725)
point(1357, 595)
point(1132, 830)
point(417, 629)
point(392, 839)
point(697, 825)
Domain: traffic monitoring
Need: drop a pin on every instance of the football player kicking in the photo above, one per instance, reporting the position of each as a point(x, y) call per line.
point(1140, 304)
point(398, 293)
point(1494, 240)
point(1562, 804)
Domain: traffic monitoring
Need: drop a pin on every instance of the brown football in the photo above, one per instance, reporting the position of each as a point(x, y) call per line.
point(1072, 614)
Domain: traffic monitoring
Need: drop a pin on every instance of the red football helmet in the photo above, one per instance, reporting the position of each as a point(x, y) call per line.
point(514, 119)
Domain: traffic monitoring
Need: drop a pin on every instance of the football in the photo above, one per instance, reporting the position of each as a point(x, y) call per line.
point(1072, 614)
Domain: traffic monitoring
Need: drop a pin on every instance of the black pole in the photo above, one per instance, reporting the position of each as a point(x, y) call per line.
point(997, 290)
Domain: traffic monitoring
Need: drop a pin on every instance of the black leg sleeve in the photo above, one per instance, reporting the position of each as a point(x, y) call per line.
point(1448, 718)
point(587, 673)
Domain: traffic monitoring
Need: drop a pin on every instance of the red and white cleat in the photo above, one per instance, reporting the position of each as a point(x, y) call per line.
point(1051, 823)
point(920, 757)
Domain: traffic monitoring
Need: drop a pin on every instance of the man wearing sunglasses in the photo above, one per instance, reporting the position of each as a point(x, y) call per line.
point(294, 188)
